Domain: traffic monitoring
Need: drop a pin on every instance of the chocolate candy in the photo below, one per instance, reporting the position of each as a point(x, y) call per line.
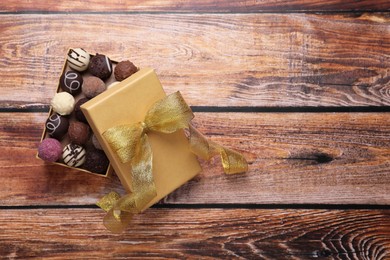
point(93, 86)
point(62, 103)
point(96, 161)
point(71, 82)
point(78, 59)
point(77, 111)
point(113, 84)
point(100, 66)
point(73, 155)
point(124, 69)
point(78, 132)
point(57, 126)
point(50, 150)
point(96, 143)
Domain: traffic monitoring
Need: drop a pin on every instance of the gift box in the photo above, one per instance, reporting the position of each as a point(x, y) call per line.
point(149, 141)
point(127, 103)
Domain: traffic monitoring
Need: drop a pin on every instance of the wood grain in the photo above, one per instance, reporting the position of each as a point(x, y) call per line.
point(256, 60)
point(193, 6)
point(198, 233)
point(315, 158)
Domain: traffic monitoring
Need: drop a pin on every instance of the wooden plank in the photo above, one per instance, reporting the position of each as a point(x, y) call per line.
point(261, 60)
point(295, 158)
point(193, 6)
point(198, 233)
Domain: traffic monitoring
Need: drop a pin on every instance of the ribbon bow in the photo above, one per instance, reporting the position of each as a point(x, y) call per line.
point(130, 143)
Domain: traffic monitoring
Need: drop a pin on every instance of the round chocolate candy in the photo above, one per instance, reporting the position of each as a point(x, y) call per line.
point(113, 84)
point(77, 111)
point(62, 103)
point(73, 155)
point(78, 132)
point(96, 143)
point(50, 150)
point(100, 66)
point(57, 126)
point(124, 69)
point(96, 161)
point(78, 59)
point(93, 86)
point(71, 82)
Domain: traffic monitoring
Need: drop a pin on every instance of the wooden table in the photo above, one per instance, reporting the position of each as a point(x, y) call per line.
point(301, 88)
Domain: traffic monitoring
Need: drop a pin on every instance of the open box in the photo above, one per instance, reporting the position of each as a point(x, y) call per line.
point(65, 140)
point(127, 102)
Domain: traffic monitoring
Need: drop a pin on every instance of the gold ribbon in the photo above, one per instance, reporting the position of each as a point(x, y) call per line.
point(130, 143)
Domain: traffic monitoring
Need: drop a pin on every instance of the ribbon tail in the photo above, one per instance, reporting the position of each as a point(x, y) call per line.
point(232, 161)
point(117, 222)
point(114, 220)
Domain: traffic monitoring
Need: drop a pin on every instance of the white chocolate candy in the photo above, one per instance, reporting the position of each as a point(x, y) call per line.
point(63, 103)
point(73, 155)
point(113, 84)
point(78, 59)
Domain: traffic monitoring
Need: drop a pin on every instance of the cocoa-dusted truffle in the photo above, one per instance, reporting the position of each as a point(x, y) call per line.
point(96, 161)
point(93, 86)
point(50, 150)
point(71, 82)
point(57, 126)
point(77, 111)
point(100, 66)
point(78, 132)
point(124, 69)
point(73, 155)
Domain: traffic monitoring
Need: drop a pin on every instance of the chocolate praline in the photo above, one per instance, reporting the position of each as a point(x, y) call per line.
point(62, 103)
point(71, 82)
point(73, 155)
point(57, 126)
point(96, 161)
point(77, 111)
point(78, 132)
point(50, 150)
point(78, 59)
point(93, 86)
point(96, 143)
point(124, 69)
point(100, 66)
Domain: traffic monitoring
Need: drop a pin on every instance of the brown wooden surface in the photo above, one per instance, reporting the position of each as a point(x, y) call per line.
point(196, 233)
point(194, 6)
point(293, 159)
point(301, 88)
point(266, 60)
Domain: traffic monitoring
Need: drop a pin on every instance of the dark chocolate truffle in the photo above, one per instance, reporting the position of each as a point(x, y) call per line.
point(50, 150)
point(93, 86)
point(73, 155)
point(96, 161)
point(77, 111)
point(78, 132)
point(71, 82)
point(57, 126)
point(100, 66)
point(124, 69)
